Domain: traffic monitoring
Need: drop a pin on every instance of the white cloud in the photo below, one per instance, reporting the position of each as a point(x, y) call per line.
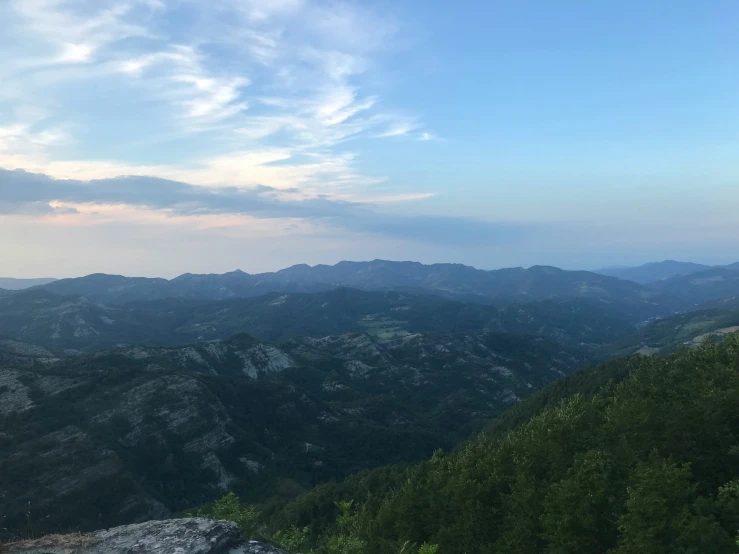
point(260, 10)
point(22, 138)
point(339, 104)
point(398, 130)
point(75, 53)
point(272, 87)
point(218, 98)
point(74, 35)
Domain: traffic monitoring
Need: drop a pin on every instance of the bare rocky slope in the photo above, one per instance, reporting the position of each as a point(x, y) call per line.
point(174, 536)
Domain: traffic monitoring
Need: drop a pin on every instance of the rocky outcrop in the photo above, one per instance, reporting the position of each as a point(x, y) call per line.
point(172, 536)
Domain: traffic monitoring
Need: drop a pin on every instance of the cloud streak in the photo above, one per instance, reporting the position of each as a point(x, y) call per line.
point(24, 193)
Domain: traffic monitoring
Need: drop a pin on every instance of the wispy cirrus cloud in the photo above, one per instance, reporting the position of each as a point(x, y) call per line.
point(256, 93)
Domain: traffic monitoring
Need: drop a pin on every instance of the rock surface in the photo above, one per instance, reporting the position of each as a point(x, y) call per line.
point(172, 536)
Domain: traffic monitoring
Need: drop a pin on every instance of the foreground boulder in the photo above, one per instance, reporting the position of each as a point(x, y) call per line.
point(171, 536)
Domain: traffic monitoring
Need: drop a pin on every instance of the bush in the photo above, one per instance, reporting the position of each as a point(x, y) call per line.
point(230, 508)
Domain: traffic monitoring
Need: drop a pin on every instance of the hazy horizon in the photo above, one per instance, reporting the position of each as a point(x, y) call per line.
point(177, 274)
point(158, 137)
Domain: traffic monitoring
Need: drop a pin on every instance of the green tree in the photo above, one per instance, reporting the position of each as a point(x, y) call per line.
point(230, 508)
point(346, 540)
point(581, 511)
point(295, 540)
point(663, 516)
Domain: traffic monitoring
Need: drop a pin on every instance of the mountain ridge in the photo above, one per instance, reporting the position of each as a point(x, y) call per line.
point(456, 281)
point(11, 283)
point(658, 271)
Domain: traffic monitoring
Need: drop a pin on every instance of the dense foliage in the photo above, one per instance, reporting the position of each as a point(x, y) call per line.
point(230, 508)
point(343, 538)
point(650, 464)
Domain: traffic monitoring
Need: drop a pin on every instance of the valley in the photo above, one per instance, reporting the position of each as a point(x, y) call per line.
point(168, 428)
point(72, 323)
point(121, 404)
point(369, 277)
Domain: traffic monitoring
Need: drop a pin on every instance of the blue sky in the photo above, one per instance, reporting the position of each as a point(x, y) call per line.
point(155, 137)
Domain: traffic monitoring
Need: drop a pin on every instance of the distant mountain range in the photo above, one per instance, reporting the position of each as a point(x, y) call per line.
point(8, 283)
point(501, 286)
point(454, 281)
point(658, 271)
point(377, 274)
point(575, 308)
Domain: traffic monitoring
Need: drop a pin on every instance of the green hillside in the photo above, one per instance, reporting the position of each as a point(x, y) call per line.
point(687, 329)
point(649, 464)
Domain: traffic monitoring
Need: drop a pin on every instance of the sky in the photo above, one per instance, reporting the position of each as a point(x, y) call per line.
point(157, 137)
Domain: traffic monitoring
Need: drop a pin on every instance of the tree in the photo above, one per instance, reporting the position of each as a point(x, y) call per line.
point(230, 508)
point(663, 516)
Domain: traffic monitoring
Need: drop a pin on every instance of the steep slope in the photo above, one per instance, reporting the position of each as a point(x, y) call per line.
point(686, 329)
point(134, 433)
point(10, 346)
point(647, 464)
point(655, 271)
point(452, 280)
point(9, 283)
point(65, 323)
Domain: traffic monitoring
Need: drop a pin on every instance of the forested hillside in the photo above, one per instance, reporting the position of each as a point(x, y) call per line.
point(135, 433)
point(701, 287)
point(74, 323)
point(647, 464)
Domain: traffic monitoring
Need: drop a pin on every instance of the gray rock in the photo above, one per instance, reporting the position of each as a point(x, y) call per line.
point(172, 536)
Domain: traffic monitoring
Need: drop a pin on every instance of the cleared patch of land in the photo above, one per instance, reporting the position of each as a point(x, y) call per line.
point(718, 332)
point(647, 351)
